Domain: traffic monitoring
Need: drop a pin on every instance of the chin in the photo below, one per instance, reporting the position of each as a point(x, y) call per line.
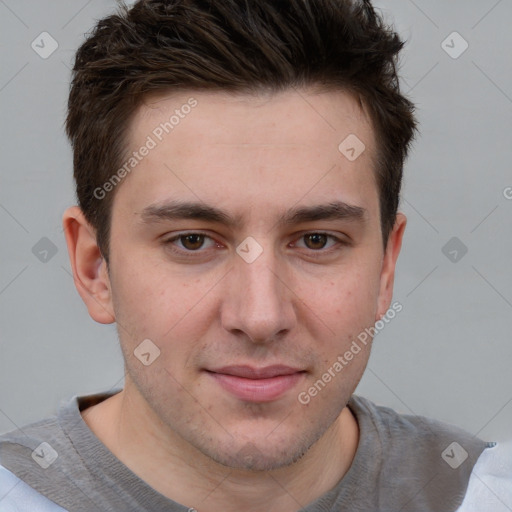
point(251, 458)
point(261, 454)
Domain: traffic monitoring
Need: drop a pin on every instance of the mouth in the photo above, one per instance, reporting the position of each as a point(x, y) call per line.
point(252, 384)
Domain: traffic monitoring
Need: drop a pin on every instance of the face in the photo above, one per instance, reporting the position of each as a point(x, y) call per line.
point(247, 248)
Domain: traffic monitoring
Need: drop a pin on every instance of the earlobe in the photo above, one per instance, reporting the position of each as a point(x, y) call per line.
point(387, 276)
point(88, 265)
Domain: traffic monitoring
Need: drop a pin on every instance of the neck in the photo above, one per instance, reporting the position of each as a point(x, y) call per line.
point(131, 431)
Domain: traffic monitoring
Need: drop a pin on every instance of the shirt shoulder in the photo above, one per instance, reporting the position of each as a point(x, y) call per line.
point(17, 496)
point(412, 462)
point(60, 459)
point(490, 484)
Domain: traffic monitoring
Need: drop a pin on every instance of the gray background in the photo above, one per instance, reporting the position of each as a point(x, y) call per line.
point(446, 355)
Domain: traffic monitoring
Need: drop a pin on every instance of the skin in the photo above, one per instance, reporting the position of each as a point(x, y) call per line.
point(301, 303)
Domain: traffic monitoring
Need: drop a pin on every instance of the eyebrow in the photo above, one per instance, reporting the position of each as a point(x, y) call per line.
point(177, 210)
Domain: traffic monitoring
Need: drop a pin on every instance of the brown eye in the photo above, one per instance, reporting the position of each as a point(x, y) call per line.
point(191, 245)
point(192, 242)
point(315, 240)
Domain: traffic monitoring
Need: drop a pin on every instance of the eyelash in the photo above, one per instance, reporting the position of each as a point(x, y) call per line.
point(200, 252)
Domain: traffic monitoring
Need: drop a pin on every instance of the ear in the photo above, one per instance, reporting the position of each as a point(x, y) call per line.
point(387, 275)
point(89, 267)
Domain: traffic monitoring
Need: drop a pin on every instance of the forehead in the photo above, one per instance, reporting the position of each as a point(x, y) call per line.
point(310, 115)
point(244, 150)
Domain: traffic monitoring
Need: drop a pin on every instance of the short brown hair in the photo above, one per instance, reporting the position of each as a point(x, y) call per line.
point(238, 46)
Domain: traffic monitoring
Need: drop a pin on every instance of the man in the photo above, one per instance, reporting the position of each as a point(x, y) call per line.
point(238, 169)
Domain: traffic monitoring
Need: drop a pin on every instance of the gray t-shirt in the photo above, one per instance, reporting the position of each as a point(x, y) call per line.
point(403, 463)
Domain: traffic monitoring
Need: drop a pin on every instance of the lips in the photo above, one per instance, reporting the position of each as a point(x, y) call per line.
point(248, 372)
point(252, 384)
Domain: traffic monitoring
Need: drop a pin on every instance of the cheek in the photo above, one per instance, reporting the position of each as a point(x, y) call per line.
point(155, 302)
point(347, 300)
point(140, 300)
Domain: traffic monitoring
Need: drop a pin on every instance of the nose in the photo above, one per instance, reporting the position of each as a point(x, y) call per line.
point(258, 300)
